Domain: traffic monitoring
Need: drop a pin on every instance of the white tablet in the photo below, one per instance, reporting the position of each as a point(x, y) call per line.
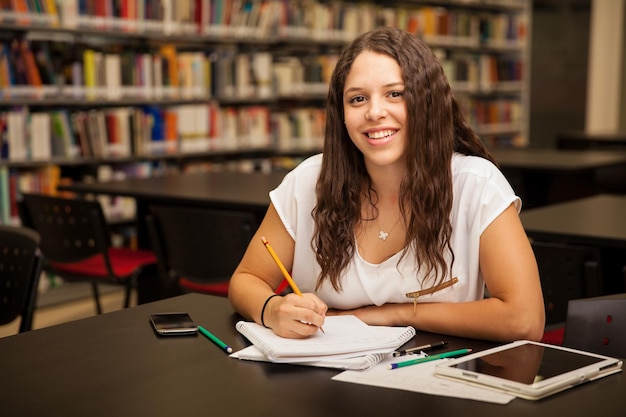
point(529, 370)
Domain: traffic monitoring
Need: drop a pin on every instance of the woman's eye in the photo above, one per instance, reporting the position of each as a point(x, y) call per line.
point(396, 94)
point(357, 99)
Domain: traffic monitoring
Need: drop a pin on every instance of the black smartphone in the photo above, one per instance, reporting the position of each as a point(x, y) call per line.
point(173, 324)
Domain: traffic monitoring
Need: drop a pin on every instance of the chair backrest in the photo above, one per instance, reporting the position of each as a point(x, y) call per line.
point(567, 272)
point(20, 266)
point(203, 245)
point(71, 229)
point(597, 325)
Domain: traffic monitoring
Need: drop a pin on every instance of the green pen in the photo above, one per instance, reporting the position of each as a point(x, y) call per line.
point(450, 354)
point(215, 340)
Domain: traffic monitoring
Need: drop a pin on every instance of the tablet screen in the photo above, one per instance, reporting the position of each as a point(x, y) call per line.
point(527, 363)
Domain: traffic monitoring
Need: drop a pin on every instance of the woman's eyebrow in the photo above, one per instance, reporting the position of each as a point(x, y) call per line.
point(393, 84)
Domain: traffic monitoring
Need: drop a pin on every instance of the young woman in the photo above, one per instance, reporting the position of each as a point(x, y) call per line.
point(403, 220)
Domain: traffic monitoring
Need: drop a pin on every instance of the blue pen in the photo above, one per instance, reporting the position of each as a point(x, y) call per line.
point(450, 354)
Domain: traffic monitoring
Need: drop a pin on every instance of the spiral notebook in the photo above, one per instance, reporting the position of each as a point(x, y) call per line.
point(357, 363)
point(344, 337)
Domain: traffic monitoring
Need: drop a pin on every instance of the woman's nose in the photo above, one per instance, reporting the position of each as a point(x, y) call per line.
point(376, 110)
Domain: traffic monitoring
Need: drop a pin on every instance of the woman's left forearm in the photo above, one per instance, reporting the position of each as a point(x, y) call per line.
point(489, 319)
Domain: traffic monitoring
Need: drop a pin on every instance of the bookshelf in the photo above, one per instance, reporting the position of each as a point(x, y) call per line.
point(106, 89)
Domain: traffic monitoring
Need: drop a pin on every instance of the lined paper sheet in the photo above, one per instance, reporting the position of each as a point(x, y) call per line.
point(420, 378)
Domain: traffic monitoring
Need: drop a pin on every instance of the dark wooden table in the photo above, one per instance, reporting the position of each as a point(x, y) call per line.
point(221, 189)
point(547, 176)
point(539, 176)
point(598, 221)
point(114, 365)
point(556, 159)
point(584, 140)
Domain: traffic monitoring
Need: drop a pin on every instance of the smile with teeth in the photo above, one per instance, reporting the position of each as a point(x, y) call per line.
point(380, 134)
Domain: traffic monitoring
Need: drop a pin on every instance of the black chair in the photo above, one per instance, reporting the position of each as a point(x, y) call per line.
point(20, 267)
point(567, 272)
point(76, 243)
point(198, 249)
point(597, 324)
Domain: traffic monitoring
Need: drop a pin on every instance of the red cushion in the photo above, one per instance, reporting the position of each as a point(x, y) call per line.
point(124, 262)
point(282, 287)
point(214, 288)
point(554, 337)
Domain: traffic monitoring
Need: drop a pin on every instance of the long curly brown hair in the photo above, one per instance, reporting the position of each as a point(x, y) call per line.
point(435, 130)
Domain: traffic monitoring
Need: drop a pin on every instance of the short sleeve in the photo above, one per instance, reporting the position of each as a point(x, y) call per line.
point(294, 198)
point(481, 192)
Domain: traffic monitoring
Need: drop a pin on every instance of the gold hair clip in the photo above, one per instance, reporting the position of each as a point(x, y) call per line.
point(416, 294)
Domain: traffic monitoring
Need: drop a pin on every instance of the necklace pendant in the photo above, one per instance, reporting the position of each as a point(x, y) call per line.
point(383, 235)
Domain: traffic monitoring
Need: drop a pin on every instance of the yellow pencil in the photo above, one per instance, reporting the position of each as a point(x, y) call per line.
point(282, 268)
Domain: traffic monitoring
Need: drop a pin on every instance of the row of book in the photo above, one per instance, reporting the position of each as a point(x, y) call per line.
point(126, 132)
point(493, 116)
point(121, 132)
point(27, 12)
point(261, 75)
point(322, 20)
point(299, 129)
point(470, 73)
point(46, 69)
point(13, 183)
point(46, 179)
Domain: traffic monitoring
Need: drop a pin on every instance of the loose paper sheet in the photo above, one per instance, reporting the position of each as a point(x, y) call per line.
point(420, 378)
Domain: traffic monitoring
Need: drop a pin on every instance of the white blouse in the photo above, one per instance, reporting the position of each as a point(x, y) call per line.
point(481, 193)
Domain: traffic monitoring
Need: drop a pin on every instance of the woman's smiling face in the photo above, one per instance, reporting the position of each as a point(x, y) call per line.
point(374, 109)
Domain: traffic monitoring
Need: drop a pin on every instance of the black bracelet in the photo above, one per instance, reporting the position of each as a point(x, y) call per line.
point(263, 309)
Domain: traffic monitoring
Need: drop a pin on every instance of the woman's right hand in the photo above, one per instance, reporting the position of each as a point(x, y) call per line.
point(294, 316)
